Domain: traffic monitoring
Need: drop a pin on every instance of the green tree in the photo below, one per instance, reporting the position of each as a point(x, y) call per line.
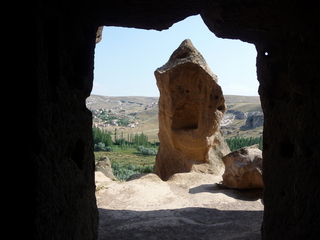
point(101, 136)
point(141, 140)
point(147, 151)
point(238, 142)
point(100, 147)
point(124, 122)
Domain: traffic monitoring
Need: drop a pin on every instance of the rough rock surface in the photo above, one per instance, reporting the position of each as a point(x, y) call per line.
point(238, 114)
point(99, 34)
point(191, 106)
point(187, 206)
point(255, 120)
point(58, 162)
point(243, 168)
point(101, 180)
point(104, 166)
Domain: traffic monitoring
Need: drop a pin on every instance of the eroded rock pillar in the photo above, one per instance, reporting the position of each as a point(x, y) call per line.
point(191, 106)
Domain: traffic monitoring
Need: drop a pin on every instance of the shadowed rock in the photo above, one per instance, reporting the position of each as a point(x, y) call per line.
point(58, 162)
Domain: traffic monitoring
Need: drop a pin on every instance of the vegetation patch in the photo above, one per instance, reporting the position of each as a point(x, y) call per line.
point(124, 171)
point(136, 155)
point(238, 142)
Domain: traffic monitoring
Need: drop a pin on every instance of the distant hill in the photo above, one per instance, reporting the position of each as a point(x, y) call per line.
point(144, 111)
point(240, 109)
point(130, 104)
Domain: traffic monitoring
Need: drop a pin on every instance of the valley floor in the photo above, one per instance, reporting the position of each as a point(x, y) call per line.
point(187, 206)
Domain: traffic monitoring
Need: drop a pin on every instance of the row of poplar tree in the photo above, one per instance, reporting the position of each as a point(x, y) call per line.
point(239, 142)
point(109, 139)
point(104, 140)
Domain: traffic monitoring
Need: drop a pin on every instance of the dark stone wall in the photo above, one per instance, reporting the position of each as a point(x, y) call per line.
point(59, 156)
point(288, 67)
point(286, 35)
point(60, 160)
point(288, 70)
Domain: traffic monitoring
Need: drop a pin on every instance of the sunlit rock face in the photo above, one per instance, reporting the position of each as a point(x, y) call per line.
point(243, 168)
point(191, 107)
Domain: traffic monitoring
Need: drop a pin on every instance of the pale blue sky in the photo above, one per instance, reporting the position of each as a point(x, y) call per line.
point(126, 58)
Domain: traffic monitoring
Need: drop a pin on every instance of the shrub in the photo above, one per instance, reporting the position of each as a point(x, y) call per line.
point(124, 171)
point(147, 151)
point(140, 148)
point(100, 147)
point(109, 149)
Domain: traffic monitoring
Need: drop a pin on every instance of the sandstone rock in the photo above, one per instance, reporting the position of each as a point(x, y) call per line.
point(243, 168)
point(187, 206)
point(191, 107)
point(99, 34)
point(104, 166)
point(101, 180)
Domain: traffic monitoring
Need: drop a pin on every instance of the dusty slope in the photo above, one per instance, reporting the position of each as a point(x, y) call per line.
point(188, 206)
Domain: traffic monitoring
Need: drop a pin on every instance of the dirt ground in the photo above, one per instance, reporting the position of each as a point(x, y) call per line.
point(187, 206)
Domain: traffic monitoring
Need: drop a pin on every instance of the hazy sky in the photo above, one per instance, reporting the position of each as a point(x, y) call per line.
point(126, 58)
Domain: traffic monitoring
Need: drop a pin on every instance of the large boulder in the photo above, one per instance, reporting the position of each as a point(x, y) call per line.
point(243, 168)
point(191, 107)
point(104, 166)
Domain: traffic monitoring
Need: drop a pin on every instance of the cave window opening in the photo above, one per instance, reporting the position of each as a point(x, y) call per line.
point(125, 61)
point(119, 81)
point(121, 78)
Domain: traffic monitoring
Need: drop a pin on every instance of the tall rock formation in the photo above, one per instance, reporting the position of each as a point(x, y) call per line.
point(191, 106)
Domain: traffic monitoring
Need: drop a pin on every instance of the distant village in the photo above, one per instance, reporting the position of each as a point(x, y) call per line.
point(117, 117)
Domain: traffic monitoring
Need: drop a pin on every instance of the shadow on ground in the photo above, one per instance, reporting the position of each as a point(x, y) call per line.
point(184, 223)
point(245, 195)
